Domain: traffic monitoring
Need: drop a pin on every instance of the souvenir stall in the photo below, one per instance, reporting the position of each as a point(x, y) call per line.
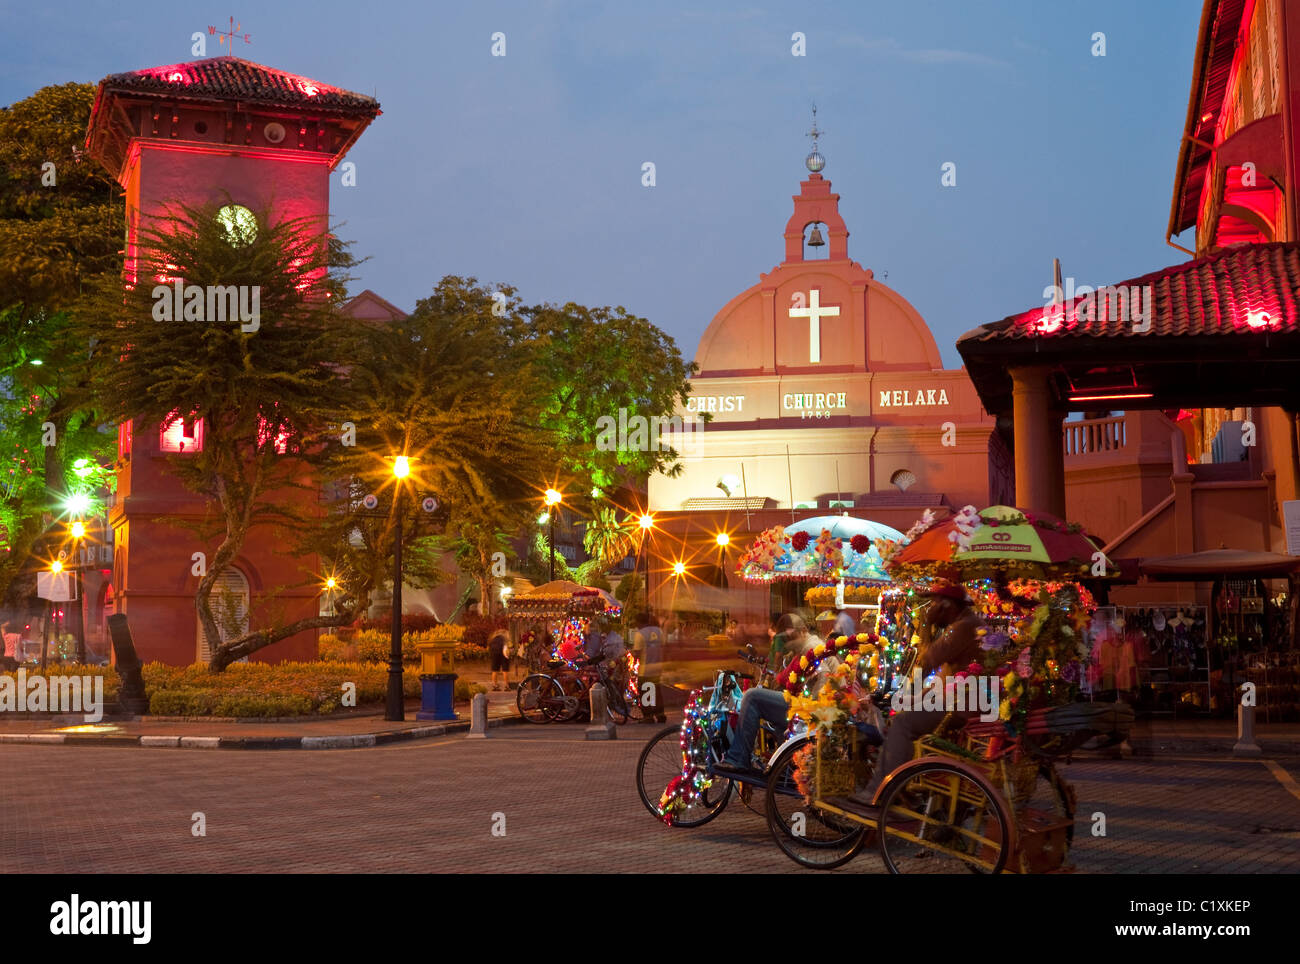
point(1197, 657)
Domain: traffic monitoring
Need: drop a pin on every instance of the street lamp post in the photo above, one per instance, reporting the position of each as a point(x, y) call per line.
point(722, 539)
point(395, 708)
point(553, 499)
point(647, 523)
point(78, 530)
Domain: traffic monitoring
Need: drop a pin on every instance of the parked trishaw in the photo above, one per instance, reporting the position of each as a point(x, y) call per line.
point(980, 795)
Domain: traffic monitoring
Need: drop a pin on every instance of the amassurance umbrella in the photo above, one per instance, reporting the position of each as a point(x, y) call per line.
point(1002, 539)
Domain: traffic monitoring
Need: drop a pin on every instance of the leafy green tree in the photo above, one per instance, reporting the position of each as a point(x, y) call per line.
point(61, 226)
point(266, 388)
point(596, 362)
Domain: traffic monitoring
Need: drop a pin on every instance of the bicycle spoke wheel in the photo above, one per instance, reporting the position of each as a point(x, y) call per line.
point(615, 705)
point(808, 836)
point(659, 765)
point(575, 704)
point(537, 698)
point(939, 818)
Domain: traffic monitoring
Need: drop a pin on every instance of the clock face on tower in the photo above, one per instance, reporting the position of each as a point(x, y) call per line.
point(240, 224)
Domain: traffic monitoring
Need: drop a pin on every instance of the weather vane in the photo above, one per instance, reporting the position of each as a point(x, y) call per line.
point(814, 161)
point(815, 133)
point(229, 36)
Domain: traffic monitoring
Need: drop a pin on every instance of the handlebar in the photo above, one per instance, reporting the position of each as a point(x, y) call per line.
point(751, 657)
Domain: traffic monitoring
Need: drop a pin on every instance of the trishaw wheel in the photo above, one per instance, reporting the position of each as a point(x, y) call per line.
point(537, 698)
point(660, 762)
point(576, 702)
point(937, 817)
point(808, 836)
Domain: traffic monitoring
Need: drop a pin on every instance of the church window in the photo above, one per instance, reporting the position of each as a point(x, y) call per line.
point(181, 435)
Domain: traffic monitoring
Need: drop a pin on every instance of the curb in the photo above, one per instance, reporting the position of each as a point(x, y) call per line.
point(345, 742)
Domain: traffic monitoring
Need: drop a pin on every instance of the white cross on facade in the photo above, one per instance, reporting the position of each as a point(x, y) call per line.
point(815, 312)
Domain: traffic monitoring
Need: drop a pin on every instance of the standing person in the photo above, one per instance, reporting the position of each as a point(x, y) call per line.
point(13, 644)
point(497, 644)
point(648, 644)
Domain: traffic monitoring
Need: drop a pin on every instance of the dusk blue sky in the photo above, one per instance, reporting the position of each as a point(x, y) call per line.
point(527, 169)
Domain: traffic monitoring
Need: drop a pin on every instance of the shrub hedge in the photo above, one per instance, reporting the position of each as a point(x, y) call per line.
point(253, 689)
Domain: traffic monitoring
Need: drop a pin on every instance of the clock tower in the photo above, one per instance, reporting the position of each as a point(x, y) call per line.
point(250, 138)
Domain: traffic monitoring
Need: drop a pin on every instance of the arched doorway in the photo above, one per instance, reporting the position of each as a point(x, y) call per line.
point(229, 607)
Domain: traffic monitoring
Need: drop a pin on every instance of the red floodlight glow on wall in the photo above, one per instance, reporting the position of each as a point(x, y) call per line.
point(1108, 398)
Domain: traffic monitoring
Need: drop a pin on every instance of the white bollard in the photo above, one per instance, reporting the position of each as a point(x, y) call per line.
point(602, 727)
point(1246, 745)
point(478, 717)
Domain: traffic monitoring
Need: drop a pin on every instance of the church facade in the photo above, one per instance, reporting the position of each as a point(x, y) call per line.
point(825, 393)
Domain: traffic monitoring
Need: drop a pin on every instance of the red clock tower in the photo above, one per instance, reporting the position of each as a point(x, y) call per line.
point(253, 138)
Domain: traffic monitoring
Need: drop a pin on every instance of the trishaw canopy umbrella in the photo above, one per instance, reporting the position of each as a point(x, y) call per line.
point(819, 549)
point(558, 599)
point(1001, 539)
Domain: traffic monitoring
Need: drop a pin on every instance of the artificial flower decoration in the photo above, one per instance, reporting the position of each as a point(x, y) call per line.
point(860, 544)
point(799, 541)
point(965, 523)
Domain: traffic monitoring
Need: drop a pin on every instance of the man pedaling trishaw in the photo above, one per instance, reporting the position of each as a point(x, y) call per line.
point(947, 789)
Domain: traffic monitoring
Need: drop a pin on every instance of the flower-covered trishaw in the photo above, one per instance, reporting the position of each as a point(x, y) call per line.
point(673, 778)
point(557, 690)
point(986, 795)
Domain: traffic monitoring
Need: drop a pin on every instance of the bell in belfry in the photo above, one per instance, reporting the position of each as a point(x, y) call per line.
point(815, 239)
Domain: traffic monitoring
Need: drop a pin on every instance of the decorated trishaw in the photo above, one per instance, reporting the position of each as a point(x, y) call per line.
point(673, 778)
point(556, 690)
point(985, 796)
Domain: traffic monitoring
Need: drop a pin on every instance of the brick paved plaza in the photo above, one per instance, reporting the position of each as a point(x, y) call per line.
point(569, 805)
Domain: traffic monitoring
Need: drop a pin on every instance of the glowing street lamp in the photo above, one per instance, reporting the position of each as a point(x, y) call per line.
point(679, 568)
point(78, 529)
point(56, 566)
point(394, 708)
point(78, 503)
point(646, 522)
point(722, 540)
point(553, 498)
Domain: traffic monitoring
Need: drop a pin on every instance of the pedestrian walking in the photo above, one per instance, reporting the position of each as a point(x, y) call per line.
point(497, 644)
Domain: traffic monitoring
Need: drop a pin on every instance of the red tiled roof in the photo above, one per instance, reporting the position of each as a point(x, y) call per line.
point(234, 78)
point(1244, 289)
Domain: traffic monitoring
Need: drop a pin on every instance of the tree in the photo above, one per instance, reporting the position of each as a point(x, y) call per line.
point(267, 388)
point(451, 387)
point(60, 231)
point(596, 362)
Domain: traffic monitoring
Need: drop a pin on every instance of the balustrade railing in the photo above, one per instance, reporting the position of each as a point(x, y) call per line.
point(1091, 435)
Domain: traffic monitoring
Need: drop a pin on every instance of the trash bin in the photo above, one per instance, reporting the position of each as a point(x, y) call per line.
point(437, 696)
